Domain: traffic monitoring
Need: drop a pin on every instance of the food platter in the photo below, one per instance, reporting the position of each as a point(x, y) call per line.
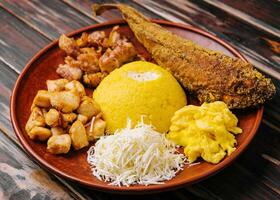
point(74, 166)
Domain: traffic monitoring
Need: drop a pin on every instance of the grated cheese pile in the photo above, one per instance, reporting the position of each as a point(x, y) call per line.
point(135, 156)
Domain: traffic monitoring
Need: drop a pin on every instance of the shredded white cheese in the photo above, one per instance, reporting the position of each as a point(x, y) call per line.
point(135, 156)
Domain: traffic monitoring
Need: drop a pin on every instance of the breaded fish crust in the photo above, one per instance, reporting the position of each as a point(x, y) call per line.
point(209, 75)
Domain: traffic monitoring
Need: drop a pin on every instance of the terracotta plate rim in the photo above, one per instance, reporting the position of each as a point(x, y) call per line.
point(108, 188)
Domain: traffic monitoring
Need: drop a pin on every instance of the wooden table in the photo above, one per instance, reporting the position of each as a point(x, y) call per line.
point(252, 26)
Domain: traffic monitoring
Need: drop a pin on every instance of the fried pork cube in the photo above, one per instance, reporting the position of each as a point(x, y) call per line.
point(93, 80)
point(68, 119)
point(88, 107)
point(88, 60)
point(78, 135)
point(68, 45)
point(36, 119)
point(113, 59)
point(68, 72)
point(39, 133)
point(65, 101)
point(42, 99)
point(58, 144)
point(96, 129)
point(92, 50)
point(52, 118)
point(83, 40)
point(71, 62)
point(57, 131)
point(56, 85)
point(44, 111)
point(76, 86)
point(115, 38)
point(82, 118)
point(98, 38)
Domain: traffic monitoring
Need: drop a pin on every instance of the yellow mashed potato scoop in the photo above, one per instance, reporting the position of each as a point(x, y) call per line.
point(139, 90)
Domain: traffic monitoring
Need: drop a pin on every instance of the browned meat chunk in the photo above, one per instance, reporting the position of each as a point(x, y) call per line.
point(113, 59)
point(39, 133)
point(58, 144)
point(96, 129)
point(57, 131)
point(78, 135)
point(83, 40)
point(88, 62)
point(56, 85)
point(68, 45)
point(88, 107)
point(52, 118)
point(93, 80)
point(98, 38)
point(65, 101)
point(36, 118)
point(42, 99)
point(76, 86)
point(70, 73)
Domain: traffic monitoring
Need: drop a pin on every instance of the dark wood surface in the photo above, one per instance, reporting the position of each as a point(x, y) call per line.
point(251, 26)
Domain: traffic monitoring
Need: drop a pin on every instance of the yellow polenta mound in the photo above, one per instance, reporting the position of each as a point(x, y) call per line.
point(139, 89)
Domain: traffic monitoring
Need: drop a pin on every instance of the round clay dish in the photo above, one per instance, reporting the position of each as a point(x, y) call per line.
point(73, 166)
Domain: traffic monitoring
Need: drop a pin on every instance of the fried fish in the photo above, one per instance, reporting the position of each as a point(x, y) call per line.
point(208, 74)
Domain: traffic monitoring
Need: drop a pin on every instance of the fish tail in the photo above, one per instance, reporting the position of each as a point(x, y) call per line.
point(129, 14)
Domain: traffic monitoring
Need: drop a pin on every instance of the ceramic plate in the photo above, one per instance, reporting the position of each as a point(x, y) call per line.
point(74, 166)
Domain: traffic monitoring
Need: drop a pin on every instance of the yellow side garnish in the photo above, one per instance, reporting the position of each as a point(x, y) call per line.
point(205, 131)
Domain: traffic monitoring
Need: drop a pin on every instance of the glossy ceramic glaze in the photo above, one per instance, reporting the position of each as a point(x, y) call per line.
point(74, 165)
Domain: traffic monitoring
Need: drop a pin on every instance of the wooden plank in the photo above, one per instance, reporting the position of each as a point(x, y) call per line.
point(258, 23)
point(50, 18)
point(7, 79)
point(265, 145)
point(263, 10)
point(198, 13)
point(18, 42)
point(272, 110)
point(20, 178)
point(180, 194)
point(238, 183)
point(85, 8)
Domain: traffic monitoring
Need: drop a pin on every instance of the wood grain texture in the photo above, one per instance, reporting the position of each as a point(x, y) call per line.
point(272, 109)
point(263, 10)
point(50, 18)
point(244, 37)
point(20, 178)
point(237, 183)
point(243, 16)
point(85, 8)
point(18, 42)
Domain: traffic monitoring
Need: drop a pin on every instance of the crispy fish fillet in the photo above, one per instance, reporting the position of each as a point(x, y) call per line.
point(209, 75)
